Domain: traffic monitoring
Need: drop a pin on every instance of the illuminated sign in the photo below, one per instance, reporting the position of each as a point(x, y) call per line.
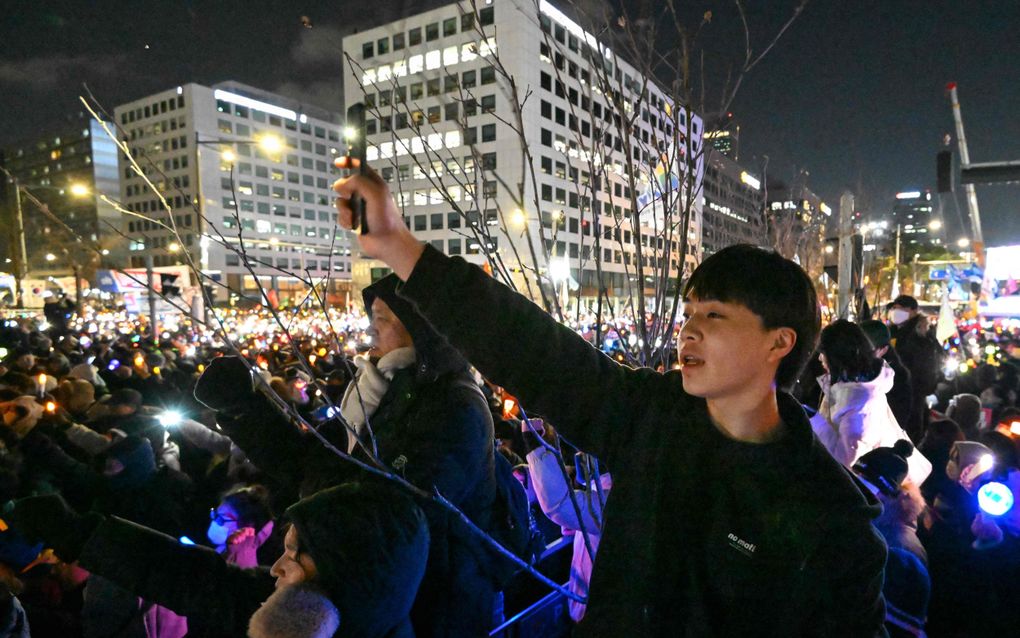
point(265, 107)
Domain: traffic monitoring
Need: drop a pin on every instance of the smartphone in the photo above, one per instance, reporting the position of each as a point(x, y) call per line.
point(356, 144)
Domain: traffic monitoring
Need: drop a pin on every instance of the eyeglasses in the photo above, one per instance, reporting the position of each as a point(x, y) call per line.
point(220, 519)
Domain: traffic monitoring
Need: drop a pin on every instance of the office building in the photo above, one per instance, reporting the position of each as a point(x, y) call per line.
point(733, 205)
point(441, 131)
point(919, 226)
point(260, 168)
point(68, 169)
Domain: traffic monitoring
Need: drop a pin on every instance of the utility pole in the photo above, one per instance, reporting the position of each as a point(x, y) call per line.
point(21, 267)
point(151, 284)
point(846, 212)
point(977, 239)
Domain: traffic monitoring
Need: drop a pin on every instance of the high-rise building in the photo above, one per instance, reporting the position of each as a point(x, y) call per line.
point(443, 131)
point(913, 213)
point(259, 164)
point(69, 169)
point(733, 207)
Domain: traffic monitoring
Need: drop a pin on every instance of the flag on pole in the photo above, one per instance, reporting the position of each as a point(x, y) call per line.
point(946, 326)
point(895, 292)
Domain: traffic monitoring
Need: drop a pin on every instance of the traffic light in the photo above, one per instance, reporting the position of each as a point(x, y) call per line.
point(944, 171)
point(166, 283)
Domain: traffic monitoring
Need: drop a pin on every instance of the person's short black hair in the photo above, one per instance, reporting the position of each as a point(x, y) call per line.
point(848, 352)
point(251, 503)
point(769, 285)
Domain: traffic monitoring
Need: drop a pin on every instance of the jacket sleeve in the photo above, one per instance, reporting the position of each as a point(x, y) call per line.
point(277, 448)
point(554, 495)
point(87, 439)
point(205, 438)
point(189, 580)
point(592, 399)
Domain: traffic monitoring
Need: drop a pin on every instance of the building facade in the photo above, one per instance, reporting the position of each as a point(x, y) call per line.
point(733, 206)
point(914, 214)
point(549, 187)
point(240, 168)
point(69, 170)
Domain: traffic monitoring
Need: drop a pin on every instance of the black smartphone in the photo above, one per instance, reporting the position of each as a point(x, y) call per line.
point(355, 129)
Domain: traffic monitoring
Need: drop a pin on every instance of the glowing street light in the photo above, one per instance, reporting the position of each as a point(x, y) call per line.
point(271, 144)
point(517, 218)
point(173, 247)
point(228, 156)
point(963, 242)
point(935, 224)
point(51, 257)
point(77, 189)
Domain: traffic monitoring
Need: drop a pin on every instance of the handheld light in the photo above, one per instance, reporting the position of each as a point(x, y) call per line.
point(995, 499)
point(169, 418)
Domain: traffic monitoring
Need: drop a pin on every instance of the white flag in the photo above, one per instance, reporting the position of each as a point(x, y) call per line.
point(946, 326)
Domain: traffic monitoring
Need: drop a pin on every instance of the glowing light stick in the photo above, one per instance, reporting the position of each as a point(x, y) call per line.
point(995, 499)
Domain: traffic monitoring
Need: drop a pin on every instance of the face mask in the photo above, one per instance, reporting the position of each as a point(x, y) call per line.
point(218, 534)
point(898, 316)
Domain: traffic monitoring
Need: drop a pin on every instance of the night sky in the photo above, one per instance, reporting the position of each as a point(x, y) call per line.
point(853, 93)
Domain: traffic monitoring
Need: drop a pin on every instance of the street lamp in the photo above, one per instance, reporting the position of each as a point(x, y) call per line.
point(963, 242)
point(76, 189)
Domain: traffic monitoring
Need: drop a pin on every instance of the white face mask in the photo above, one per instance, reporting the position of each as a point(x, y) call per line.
point(218, 534)
point(898, 316)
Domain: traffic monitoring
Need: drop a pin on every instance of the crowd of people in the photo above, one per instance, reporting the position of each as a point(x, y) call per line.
point(190, 483)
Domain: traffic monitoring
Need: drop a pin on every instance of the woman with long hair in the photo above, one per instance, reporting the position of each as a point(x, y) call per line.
point(854, 416)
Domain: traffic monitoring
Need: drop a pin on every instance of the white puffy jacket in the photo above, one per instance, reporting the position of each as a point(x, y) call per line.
point(854, 418)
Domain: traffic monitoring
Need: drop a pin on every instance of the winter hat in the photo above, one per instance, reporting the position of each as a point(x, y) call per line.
point(295, 611)
point(965, 409)
point(136, 455)
point(86, 372)
point(75, 394)
point(124, 396)
point(369, 542)
point(30, 411)
point(904, 301)
point(963, 454)
point(878, 332)
point(907, 589)
point(886, 467)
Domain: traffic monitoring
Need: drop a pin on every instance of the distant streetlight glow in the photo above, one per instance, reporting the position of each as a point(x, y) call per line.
point(963, 242)
point(173, 247)
point(517, 217)
point(271, 144)
point(80, 190)
point(935, 224)
point(50, 257)
point(228, 156)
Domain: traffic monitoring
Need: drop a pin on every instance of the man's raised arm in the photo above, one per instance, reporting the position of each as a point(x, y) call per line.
point(511, 340)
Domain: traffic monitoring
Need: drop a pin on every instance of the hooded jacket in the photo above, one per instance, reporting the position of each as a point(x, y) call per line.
point(855, 418)
point(704, 536)
point(433, 426)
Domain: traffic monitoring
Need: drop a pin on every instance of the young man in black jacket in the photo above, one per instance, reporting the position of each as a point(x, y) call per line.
point(728, 517)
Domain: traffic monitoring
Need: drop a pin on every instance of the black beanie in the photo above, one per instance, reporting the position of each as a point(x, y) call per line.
point(369, 542)
point(886, 467)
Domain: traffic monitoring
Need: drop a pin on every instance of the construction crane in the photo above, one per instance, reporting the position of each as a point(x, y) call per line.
point(977, 238)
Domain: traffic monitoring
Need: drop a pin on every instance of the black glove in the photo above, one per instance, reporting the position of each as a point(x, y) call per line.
point(225, 385)
point(50, 520)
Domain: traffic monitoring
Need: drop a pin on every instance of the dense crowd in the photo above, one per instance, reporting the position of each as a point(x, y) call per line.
point(156, 485)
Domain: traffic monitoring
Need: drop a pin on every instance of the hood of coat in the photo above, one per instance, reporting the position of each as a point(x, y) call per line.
point(435, 355)
point(369, 542)
point(858, 392)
